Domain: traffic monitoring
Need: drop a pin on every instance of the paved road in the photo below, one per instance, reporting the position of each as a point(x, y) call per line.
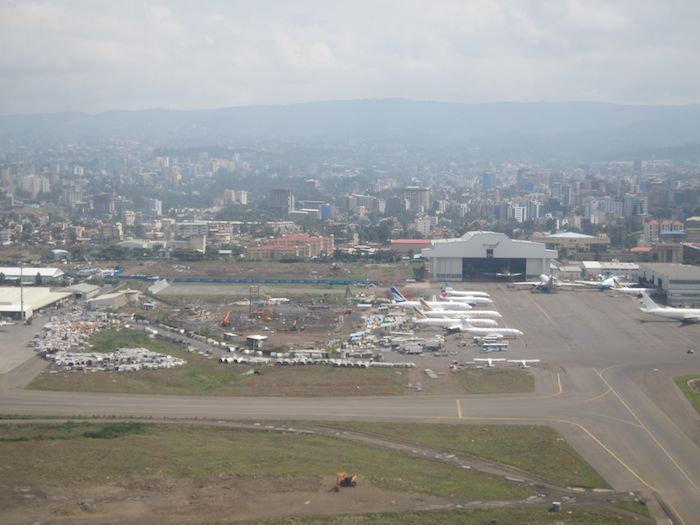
point(617, 405)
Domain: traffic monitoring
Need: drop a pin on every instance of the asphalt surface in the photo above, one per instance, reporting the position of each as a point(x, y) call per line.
point(617, 405)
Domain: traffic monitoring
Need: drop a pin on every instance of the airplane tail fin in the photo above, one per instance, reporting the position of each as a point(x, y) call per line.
point(419, 314)
point(446, 287)
point(398, 297)
point(425, 305)
point(649, 304)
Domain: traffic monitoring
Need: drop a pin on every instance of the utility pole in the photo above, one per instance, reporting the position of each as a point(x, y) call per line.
point(21, 292)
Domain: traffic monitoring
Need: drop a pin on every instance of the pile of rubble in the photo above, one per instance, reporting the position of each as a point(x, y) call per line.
point(72, 333)
point(121, 360)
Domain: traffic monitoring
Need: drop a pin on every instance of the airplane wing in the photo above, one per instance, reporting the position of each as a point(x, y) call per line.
point(526, 283)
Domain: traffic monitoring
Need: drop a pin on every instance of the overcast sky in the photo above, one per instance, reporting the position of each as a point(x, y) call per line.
point(92, 55)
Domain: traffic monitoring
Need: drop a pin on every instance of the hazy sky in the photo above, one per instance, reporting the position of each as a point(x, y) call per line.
point(92, 55)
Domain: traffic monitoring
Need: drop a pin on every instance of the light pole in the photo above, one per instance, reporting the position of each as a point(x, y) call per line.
point(21, 292)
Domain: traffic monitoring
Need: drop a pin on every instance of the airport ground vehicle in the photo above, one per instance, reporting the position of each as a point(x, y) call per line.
point(344, 479)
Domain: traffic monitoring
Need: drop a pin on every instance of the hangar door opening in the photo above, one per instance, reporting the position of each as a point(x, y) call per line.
point(486, 268)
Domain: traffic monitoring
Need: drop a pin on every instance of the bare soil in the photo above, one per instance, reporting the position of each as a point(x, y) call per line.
point(154, 499)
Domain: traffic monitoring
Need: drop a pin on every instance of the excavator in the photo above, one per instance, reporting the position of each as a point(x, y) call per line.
point(346, 480)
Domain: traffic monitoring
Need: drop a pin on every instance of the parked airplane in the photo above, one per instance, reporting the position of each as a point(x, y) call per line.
point(503, 275)
point(614, 284)
point(431, 311)
point(401, 301)
point(277, 300)
point(489, 361)
point(470, 299)
point(684, 315)
point(447, 290)
point(467, 325)
point(448, 322)
point(547, 283)
point(524, 362)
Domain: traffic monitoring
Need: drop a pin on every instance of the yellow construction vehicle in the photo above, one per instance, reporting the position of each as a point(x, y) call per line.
point(346, 480)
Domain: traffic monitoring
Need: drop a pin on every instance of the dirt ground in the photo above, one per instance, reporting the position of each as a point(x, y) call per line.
point(154, 499)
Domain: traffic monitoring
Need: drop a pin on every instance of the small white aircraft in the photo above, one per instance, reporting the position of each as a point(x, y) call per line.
point(448, 291)
point(448, 322)
point(524, 362)
point(684, 315)
point(467, 325)
point(503, 275)
point(272, 301)
point(489, 361)
point(401, 301)
point(430, 311)
point(547, 283)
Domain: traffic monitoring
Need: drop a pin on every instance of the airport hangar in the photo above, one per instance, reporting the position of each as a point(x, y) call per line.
point(478, 255)
point(680, 282)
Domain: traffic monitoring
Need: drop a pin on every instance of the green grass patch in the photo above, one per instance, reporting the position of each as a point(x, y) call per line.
point(634, 506)
point(692, 395)
point(69, 430)
point(497, 516)
point(187, 452)
point(537, 449)
point(205, 376)
point(497, 381)
point(115, 430)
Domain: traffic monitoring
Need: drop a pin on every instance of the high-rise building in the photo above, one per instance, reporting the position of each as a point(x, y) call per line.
point(154, 207)
point(103, 204)
point(281, 200)
point(418, 198)
point(635, 204)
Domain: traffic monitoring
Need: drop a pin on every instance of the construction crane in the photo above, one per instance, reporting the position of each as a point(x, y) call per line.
point(343, 479)
point(227, 319)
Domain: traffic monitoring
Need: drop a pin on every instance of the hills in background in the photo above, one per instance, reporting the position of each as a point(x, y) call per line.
point(568, 130)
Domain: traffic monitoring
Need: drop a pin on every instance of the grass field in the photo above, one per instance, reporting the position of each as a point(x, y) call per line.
point(70, 453)
point(539, 450)
point(205, 376)
point(496, 516)
point(497, 381)
point(692, 395)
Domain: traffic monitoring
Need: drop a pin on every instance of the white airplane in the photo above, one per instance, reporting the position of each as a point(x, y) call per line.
point(448, 322)
point(613, 284)
point(470, 299)
point(524, 362)
point(277, 300)
point(684, 315)
point(503, 275)
point(400, 300)
point(430, 311)
point(489, 361)
point(547, 283)
point(447, 290)
point(7, 323)
point(467, 325)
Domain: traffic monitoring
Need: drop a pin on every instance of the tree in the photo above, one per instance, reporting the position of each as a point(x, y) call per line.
point(38, 279)
point(2, 278)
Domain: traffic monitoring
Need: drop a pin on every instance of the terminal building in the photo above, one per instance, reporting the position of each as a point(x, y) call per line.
point(479, 255)
point(681, 282)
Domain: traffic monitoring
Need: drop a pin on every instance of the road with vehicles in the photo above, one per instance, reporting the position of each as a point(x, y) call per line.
point(608, 388)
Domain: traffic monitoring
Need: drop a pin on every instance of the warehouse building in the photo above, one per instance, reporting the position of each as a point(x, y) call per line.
point(31, 275)
point(681, 282)
point(479, 255)
point(13, 300)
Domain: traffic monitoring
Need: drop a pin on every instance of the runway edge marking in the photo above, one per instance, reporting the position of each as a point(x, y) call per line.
point(646, 429)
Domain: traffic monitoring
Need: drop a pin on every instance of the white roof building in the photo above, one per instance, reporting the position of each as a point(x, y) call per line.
point(479, 255)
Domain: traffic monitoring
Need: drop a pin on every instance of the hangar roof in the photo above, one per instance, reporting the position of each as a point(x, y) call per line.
point(475, 244)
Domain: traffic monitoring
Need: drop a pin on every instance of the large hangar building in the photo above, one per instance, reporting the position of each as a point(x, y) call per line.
point(479, 255)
